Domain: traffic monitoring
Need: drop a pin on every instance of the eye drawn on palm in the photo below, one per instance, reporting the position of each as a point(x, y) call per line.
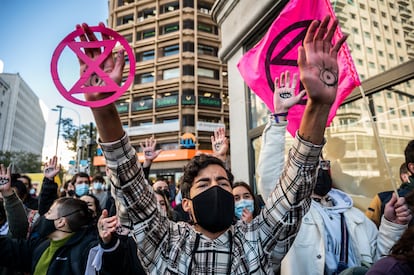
point(5, 178)
point(317, 61)
point(51, 168)
point(219, 142)
point(284, 95)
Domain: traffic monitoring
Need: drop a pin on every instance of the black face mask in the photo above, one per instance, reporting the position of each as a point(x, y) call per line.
point(323, 183)
point(71, 193)
point(214, 209)
point(45, 227)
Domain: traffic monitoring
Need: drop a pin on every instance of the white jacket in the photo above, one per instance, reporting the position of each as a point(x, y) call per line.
point(307, 254)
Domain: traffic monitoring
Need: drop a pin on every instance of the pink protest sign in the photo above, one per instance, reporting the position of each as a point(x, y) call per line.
point(94, 72)
point(278, 52)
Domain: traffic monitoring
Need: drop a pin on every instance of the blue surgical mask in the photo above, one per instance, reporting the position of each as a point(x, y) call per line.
point(97, 185)
point(81, 189)
point(240, 205)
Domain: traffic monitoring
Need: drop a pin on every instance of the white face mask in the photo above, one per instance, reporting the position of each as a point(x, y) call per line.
point(97, 185)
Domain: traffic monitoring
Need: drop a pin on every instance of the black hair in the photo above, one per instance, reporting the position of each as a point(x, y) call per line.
point(193, 168)
point(76, 212)
point(409, 153)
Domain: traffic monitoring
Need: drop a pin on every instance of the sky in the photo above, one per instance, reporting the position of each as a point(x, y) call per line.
point(29, 33)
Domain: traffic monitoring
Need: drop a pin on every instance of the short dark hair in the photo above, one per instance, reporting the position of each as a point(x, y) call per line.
point(256, 209)
point(29, 180)
point(75, 211)
point(98, 178)
point(80, 175)
point(192, 168)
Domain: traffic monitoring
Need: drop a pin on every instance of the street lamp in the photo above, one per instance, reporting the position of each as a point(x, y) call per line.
point(59, 108)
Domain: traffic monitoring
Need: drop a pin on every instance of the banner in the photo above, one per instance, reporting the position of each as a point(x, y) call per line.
point(278, 52)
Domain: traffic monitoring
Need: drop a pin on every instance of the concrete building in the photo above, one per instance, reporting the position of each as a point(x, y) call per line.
point(21, 119)
point(381, 43)
point(180, 93)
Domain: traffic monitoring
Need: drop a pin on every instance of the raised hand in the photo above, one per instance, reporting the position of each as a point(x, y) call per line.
point(318, 64)
point(5, 180)
point(51, 168)
point(110, 66)
point(247, 216)
point(220, 143)
point(397, 211)
point(149, 150)
point(284, 94)
point(107, 226)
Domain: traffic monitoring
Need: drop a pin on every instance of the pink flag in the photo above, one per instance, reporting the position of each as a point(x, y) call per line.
point(278, 52)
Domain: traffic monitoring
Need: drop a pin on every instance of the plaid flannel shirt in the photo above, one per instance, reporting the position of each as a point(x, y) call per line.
point(167, 247)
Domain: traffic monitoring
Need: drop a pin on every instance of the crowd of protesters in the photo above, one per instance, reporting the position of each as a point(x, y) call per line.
point(301, 224)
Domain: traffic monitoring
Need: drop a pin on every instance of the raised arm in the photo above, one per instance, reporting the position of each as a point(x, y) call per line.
point(48, 193)
point(272, 151)
point(290, 200)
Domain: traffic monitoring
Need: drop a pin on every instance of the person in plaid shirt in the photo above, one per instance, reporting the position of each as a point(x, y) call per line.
point(211, 244)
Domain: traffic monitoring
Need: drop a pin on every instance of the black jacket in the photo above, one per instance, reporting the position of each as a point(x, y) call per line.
point(23, 255)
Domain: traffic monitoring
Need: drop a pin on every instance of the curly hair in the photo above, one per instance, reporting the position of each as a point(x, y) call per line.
point(193, 168)
point(404, 247)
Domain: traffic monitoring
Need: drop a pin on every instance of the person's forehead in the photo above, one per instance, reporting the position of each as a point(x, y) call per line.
point(78, 179)
point(212, 171)
point(240, 190)
point(160, 183)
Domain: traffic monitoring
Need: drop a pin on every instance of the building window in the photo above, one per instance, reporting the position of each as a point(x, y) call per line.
point(392, 111)
point(147, 13)
point(129, 18)
point(394, 18)
point(369, 50)
point(169, 7)
point(188, 24)
point(204, 7)
point(391, 5)
point(188, 47)
point(207, 28)
point(380, 53)
point(355, 30)
point(358, 47)
point(188, 120)
point(144, 78)
point(169, 28)
point(170, 50)
point(145, 34)
point(374, 11)
point(400, 97)
point(207, 50)
point(391, 56)
point(124, 2)
point(375, 23)
point(403, 112)
point(398, 44)
point(386, 28)
point(389, 95)
point(188, 70)
point(382, 67)
point(395, 127)
point(360, 62)
point(145, 56)
point(210, 73)
point(188, 3)
point(171, 73)
point(378, 38)
point(406, 128)
point(362, 6)
point(353, 16)
point(380, 109)
point(128, 37)
point(371, 64)
point(396, 31)
point(383, 14)
point(367, 35)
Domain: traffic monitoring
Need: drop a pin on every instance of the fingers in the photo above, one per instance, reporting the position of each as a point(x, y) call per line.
point(337, 46)
point(310, 34)
point(119, 64)
point(301, 57)
point(319, 41)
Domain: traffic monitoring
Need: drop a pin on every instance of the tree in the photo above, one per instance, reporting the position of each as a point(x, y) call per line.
point(87, 138)
point(23, 162)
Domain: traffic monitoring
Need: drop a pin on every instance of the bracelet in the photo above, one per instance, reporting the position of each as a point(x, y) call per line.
point(276, 116)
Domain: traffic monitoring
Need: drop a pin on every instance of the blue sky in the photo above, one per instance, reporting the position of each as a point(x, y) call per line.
point(30, 31)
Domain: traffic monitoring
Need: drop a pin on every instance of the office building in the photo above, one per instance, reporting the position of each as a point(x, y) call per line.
point(382, 47)
point(180, 93)
point(21, 119)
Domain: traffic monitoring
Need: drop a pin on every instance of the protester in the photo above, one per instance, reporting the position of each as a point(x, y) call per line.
point(82, 184)
point(334, 235)
point(212, 244)
point(245, 205)
point(98, 190)
point(29, 186)
point(376, 207)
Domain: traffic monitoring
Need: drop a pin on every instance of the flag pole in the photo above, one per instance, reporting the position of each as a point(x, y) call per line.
point(376, 134)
